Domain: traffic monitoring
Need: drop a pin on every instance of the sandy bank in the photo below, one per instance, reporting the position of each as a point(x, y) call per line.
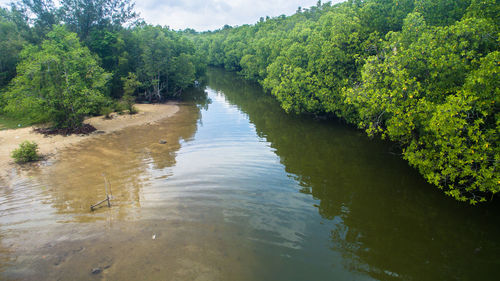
point(10, 139)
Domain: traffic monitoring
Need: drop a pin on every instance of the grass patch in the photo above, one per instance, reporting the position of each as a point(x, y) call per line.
point(11, 123)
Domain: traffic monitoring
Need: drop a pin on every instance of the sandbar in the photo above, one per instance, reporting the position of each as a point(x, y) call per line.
point(50, 145)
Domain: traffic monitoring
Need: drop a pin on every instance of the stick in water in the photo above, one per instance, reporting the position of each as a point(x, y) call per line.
point(108, 197)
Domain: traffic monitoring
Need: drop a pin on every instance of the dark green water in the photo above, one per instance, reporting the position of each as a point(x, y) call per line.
point(345, 204)
point(241, 191)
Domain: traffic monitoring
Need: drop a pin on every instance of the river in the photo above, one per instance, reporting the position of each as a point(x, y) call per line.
point(240, 191)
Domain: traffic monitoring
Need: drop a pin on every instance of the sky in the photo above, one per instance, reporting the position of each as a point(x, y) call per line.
point(204, 15)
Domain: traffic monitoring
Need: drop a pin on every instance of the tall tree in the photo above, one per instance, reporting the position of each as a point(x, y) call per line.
point(82, 16)
point(155, 61)
point(166, 64)
point(11, 44)
point(59, 82)
point(41, 14)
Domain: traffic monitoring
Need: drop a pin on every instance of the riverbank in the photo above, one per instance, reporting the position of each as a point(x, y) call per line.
point(50, 145)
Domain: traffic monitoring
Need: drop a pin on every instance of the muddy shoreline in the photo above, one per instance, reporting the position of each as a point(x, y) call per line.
point(49, 146)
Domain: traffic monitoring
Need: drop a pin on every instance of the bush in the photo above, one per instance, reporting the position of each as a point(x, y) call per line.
point(128, 102)
point(106, 111)
point(132, 110)
point(130, 84)
point(119, 107)
point(27, 152)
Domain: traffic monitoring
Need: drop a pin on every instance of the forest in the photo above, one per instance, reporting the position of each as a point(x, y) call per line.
point(80, 58)
point(421, 73)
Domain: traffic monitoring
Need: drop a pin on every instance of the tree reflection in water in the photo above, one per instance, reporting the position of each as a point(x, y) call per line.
point(386, 220)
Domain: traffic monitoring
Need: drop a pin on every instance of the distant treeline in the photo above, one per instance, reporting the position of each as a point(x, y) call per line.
point(59, 63)
point(423, 73)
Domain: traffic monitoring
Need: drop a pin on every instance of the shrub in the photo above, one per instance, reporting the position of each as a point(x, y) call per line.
point(130, 84)
point(132, 110)
point(119, 107)
point(106, 111)
point(27, 152)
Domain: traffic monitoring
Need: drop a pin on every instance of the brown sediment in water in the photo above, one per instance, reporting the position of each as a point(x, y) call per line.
point(50, 145)
point(147, 234)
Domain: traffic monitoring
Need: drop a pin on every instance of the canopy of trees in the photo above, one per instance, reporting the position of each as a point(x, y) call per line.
point(73, 59)
point(423, 73)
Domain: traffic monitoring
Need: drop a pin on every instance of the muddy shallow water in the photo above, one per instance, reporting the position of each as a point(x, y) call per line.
point(48, 231)
point(240, 191)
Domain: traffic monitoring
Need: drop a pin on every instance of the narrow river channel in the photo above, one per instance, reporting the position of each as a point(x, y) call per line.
point(240, 191)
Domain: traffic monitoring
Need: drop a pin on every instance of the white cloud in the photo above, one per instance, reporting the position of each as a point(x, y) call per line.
point(212, 14)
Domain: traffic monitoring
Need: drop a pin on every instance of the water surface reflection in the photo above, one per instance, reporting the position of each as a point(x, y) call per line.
point(383, 217)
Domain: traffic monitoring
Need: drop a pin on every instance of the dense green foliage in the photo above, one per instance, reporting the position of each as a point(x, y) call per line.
point(11, 44)
point(27, 152)
point(77, 55)
point(130, 84)
point(166, 64)
point(59, 82)
point(423, 73)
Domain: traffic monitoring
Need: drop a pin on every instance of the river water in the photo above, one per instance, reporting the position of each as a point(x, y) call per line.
point(240, 191)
